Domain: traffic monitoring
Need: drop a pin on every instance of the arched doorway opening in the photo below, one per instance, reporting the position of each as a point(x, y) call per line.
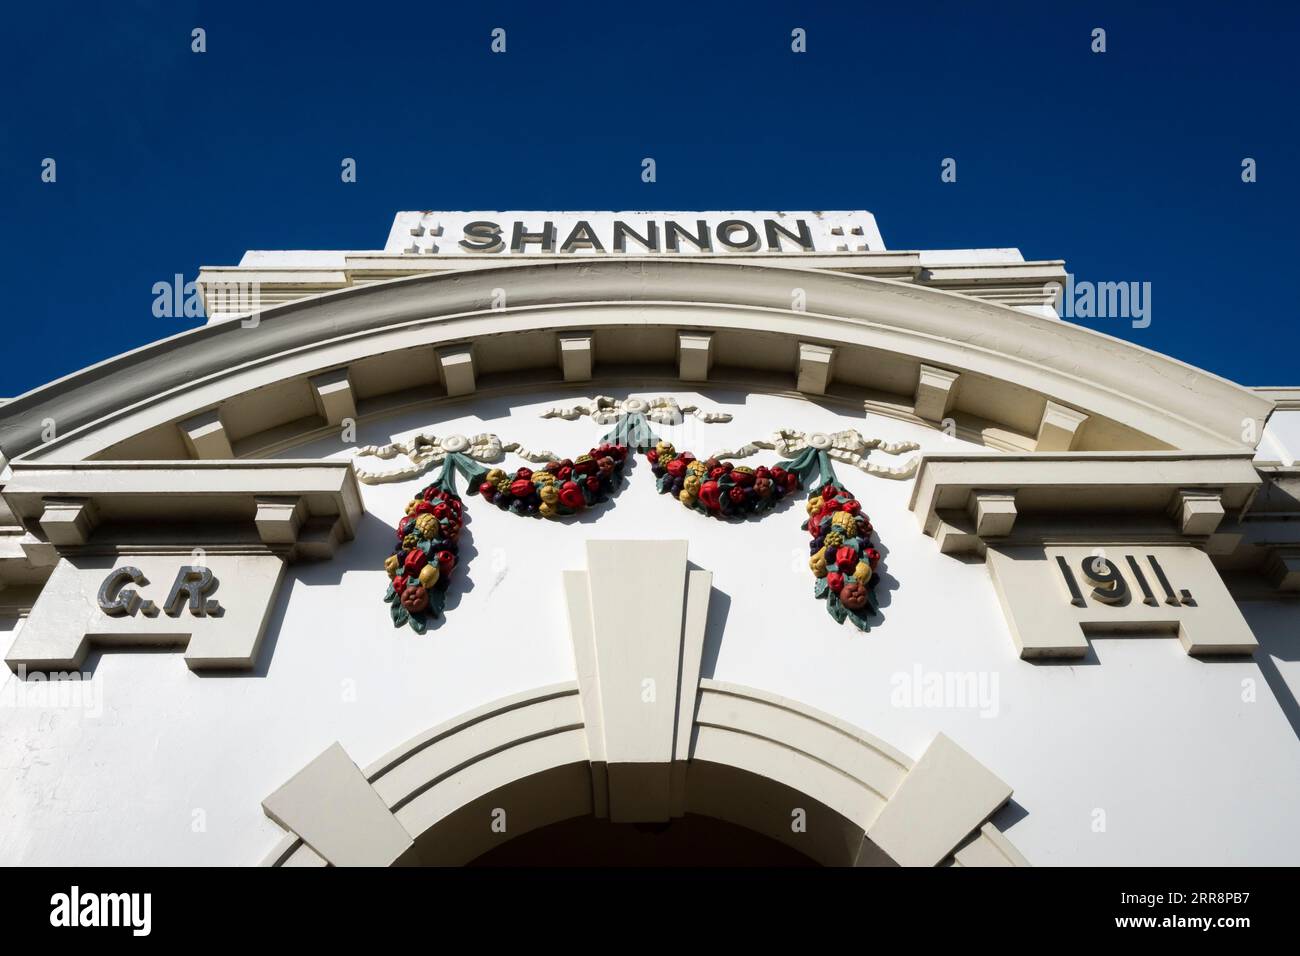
point(692, 840)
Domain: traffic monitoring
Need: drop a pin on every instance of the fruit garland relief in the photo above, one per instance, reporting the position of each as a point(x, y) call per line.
point(718, 488)
point(843, 560)
point(425, 555)
point(560, 488)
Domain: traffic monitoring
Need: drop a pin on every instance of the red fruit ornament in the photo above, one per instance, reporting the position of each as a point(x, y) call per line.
point(415, 561)
point(571, 495)
point(854, 595)
point(710, 495)
point(415, 598)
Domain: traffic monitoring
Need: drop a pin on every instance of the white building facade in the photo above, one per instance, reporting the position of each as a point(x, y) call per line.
point(247, 621)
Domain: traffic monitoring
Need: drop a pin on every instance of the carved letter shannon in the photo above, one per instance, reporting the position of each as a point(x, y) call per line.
point(666, 236)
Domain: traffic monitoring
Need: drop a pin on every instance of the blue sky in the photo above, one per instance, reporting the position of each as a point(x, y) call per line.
point(1126, 164)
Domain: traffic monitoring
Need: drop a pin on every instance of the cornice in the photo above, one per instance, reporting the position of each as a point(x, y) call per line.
point(1175, 404)
point(297, 508)
point(1284, 398)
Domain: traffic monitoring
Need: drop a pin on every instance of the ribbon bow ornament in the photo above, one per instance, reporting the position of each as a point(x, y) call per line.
point(631, 417)
point(809, 450)
point(424, 451)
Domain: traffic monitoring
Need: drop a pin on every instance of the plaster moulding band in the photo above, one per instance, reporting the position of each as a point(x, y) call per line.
point(175, 379)
point(298, 508)
point(1187, 493)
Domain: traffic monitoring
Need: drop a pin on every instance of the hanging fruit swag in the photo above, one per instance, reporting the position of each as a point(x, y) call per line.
point(428, 538)
point(843, 562)
point(716, 487)
point(560, 488)
point(565, 487)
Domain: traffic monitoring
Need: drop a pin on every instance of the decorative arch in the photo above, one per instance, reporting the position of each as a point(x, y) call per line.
point(236, 388)
point(640, 736)
point(755, 758)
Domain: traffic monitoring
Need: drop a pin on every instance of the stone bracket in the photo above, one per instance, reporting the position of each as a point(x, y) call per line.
point(333, 809)
point(69, 521)
point(944, 797)
point(334, 397)
point(205, 436)
point(576, 355)
point(1059, 428)
point(279, 520)
point(1198, 511)
point(1282, 568)
point(815, 367)
point(936, 393)
point(694, 356)
point(993, 512)
point(457, 369)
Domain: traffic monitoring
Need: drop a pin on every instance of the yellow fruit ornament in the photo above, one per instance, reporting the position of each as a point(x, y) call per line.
point(818, 563)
